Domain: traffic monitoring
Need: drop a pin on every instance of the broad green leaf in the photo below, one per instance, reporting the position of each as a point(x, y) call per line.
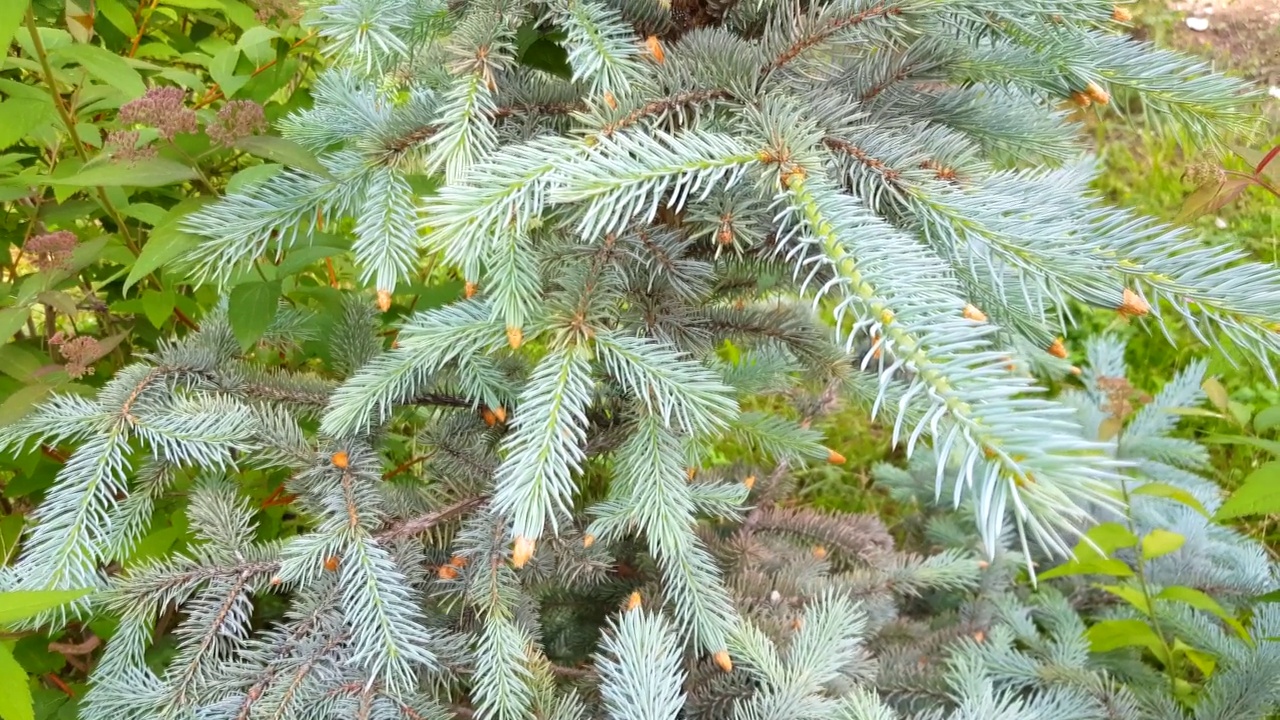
point(1259, 494)
point(79, 22)
point(1131, 595)
point(118, 15)
point(1202, 601)
point(1216, 392)
point(547, 56)
point(285, 152)
point(19, 116)
point(23, 604)
point(158, 305)
point(252, 175)
point(105, 66)
point(1203, 661)
point(1212, 196)
point(1091, 566)
point(11, 14)
point(59, 301)
point(1111, 635)
point(167, 241)
point(11, 320)
point(251, 309)
point(151, 172)
point(15, 699)
point(223, 71)
point(10, 534)
point(20, 363)
point(194, 4)
point(256, 35)
point(1171, 492)
point(1111, 536)
point(1267, 418)
point(1161, 542)
point(21, 401)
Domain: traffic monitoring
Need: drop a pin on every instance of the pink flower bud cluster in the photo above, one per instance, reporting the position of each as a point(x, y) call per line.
point(80, 353)
point(162, 108)
point(123, 145)
point(236, 119)
point(51, 251)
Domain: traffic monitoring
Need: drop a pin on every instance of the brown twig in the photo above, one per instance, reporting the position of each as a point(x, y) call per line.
point(422, 523)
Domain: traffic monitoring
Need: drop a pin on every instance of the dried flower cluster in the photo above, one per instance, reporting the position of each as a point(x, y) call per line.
point(79, 352)
point(51, 251)
point(162, 108)
point(123, 145)
point(237, 119)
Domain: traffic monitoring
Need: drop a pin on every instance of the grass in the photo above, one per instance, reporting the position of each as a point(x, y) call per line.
point(1145, 172)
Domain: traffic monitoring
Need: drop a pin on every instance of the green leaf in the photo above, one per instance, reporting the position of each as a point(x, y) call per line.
point(1201, 601)
point(157, 305)
point(1111, 635)
point(1212, 196)
point(167, 241)
point(1131, 595)
point(151, 172)
point(1161, 542)
point(15, 701)
point(285, 152)
point(19, 403)
point(10, 533)
point(19, 116)
point(105, 66)
point(11, 320)
point(1171, 492)
point(547, 56)
point(1271, 446)
point(119, 16)
point(1111, 536)
point(223, 71)
point(1090, 566)
point(1259, 494)
point(23, 604)
point(11, 14)
point(20, 363)
point(1267, 419)
point(1203, 661)
point(251, 309)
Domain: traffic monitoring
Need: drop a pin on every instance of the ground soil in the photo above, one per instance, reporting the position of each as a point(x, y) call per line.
point(1243, 35)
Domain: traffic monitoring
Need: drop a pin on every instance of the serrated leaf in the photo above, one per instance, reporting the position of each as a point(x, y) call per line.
point(11, 320)
point(1111, 536)
point(1203, 661)
point(1259, 494)
point(15, 700)
point(251, 310)
point(21, 401)
point(105, 66)
point(151, 172)
point(1160, 542)
point(1201, 601)
point(167, 241)
point(1217, 393)
point(1092, 566)
point(1267, 419)
point(19, 116)
point(1155, 489)
point(283, 151)
point(1111, 635)
point(20, 605)
point(1131, 595)
point(157, 305)
point(119, 16)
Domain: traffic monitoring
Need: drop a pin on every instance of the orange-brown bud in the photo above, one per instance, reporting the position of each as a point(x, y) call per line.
point(331, 563)
point(980, 637)
point(655, 49)
point(691, 473)
point(983, 564)
point(1097, 94)
point(633, 601)
point(447, 572)
point(1081, 99)
point(1121, 15)
point(522, 551)
point(1076, 370)
point(610, 100)
point(490, 418)
point(458, 561)
point(384, 300)
point(500, 413)
point(588, 540)
point(1133, 304)
point(515, 337)
point(340, 460)
point(974, 314)
point(819, 552)
point(469, 290)
point(1058, 349)
point(276, 580)
point(749, 481)
point(722, 659)
point(834, 457)
point(797, 623)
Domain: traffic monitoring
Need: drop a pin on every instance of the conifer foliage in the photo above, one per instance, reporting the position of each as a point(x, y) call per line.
point(649, 202)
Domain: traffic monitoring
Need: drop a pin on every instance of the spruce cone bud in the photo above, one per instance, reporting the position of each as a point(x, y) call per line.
point(722, 659)
point(797, 623)
point(276, 580)
point(974, 314)
point(819, 552)
point(588, 540)
point(515, 337)
point(835, 458)
point(1058, 349)
point(384, 300)
point(690, 472)
point(633, 601)
point(490, 418)
point(340, 460)
point(1121, 15)
point(655, 49)
point(750, 482)
point(469, 291)
point(980, 637)
point(1133, 304)
point(522, 551)
point(610, 100)
point(1081, 99)
point(458, 561)
point(331, 563)
point(447, 572)
point(1097, 94)
point(500, 413)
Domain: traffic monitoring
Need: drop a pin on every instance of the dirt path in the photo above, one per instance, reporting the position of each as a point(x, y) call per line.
point(1243, 35)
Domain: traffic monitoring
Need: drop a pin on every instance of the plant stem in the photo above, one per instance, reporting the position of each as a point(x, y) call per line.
point(1172, 668)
